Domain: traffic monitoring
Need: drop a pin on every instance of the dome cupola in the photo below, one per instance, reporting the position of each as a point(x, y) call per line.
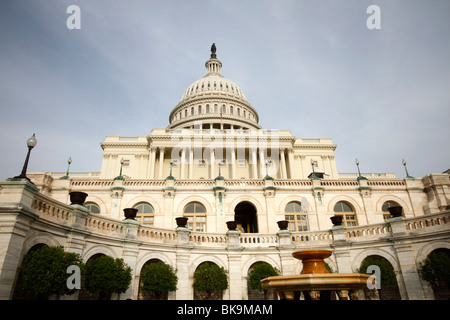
point(213, 102)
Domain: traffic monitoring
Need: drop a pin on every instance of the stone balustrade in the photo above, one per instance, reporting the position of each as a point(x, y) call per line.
point(50, 209)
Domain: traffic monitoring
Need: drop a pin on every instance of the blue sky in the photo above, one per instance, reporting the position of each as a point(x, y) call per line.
point(312, 67)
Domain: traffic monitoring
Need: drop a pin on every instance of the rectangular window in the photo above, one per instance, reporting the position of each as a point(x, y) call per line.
point(201, 163)
point(241, 163)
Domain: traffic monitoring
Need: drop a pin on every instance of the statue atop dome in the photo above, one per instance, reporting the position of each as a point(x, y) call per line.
point(213, 51)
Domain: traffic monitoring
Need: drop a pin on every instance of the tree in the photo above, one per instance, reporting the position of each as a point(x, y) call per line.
point(105, 275)
point(158, 278)
point(435, 269)
point(209, 278)
point(259, 272)
point(44, 273)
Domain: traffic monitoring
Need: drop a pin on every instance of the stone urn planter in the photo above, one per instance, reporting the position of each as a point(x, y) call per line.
point(336, 220)
point(77, 197)
point(232, 225)
point(283, 224)
point(181, 221)
point(130, 213)
point(312, 260)
point(395, 211)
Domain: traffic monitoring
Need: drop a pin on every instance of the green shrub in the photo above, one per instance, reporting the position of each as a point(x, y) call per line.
point(158, 278)
point(105, 275)
point(435, 269)
point(209, 277)
point(44, 273)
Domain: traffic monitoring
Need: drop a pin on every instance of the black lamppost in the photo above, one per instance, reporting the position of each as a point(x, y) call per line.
point(313, 177)
point(267, 177)
point(407, 174)
point(69, 161)
point(120, 177)
point(360, 177)
point(31, 143)
point(171, 177)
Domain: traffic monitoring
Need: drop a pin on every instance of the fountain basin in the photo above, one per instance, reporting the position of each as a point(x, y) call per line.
point(312, 260)
point(317, 281)
point(315, 278)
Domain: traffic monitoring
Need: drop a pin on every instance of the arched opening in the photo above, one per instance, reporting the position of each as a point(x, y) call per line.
point(435, 270)
point(294, 213)
point(388, 284)
point(196, 214)
point(347, 212)
point(259, 293)
point(147, 295)
point(16, 294)
point(386, 206)
point(246, 218)
point(145, 214)
point(210, 281)
point(84, 294)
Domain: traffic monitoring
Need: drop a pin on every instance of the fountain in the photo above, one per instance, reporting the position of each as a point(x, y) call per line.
point(315, 279)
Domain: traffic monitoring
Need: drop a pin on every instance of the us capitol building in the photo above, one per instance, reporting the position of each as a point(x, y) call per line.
point(213, 164)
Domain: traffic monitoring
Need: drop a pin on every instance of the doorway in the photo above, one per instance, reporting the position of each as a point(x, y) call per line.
point(245, 216)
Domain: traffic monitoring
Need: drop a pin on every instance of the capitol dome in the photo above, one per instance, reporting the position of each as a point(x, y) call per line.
point(214, 102)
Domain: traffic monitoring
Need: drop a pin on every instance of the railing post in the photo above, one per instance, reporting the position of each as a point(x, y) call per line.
point(284, 238)
point(183, 235)
point(234, 242)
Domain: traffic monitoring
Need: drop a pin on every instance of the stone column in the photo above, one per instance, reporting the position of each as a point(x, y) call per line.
point(184, 286)
point(254, 163)
point(212, 163)
point(151, 164)
point(233, 163)
point(291, 162)
point(183, 163)
point(283, 164)
point(234, 272)
point(262, 163)
point(191, 163)
point(413, 289)
point(161, 161)
point(366, 195)
point(130, 252)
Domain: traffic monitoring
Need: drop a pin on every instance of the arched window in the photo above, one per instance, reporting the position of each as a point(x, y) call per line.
point(92, 207)
point(196, 214)
point(296, 216)
point(346, 211)
point(384, 208)
point(145, 214)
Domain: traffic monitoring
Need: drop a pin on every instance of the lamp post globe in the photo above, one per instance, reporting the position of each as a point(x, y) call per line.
point(31, 143)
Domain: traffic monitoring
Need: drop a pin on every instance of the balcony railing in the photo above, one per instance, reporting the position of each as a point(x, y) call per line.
point(65, 215)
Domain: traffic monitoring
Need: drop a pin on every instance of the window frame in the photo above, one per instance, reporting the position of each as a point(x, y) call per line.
point(88, 205)
point(298, 219)
point(197, 218)
point(392, 203)
point(141, 216)
point(349, 218)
